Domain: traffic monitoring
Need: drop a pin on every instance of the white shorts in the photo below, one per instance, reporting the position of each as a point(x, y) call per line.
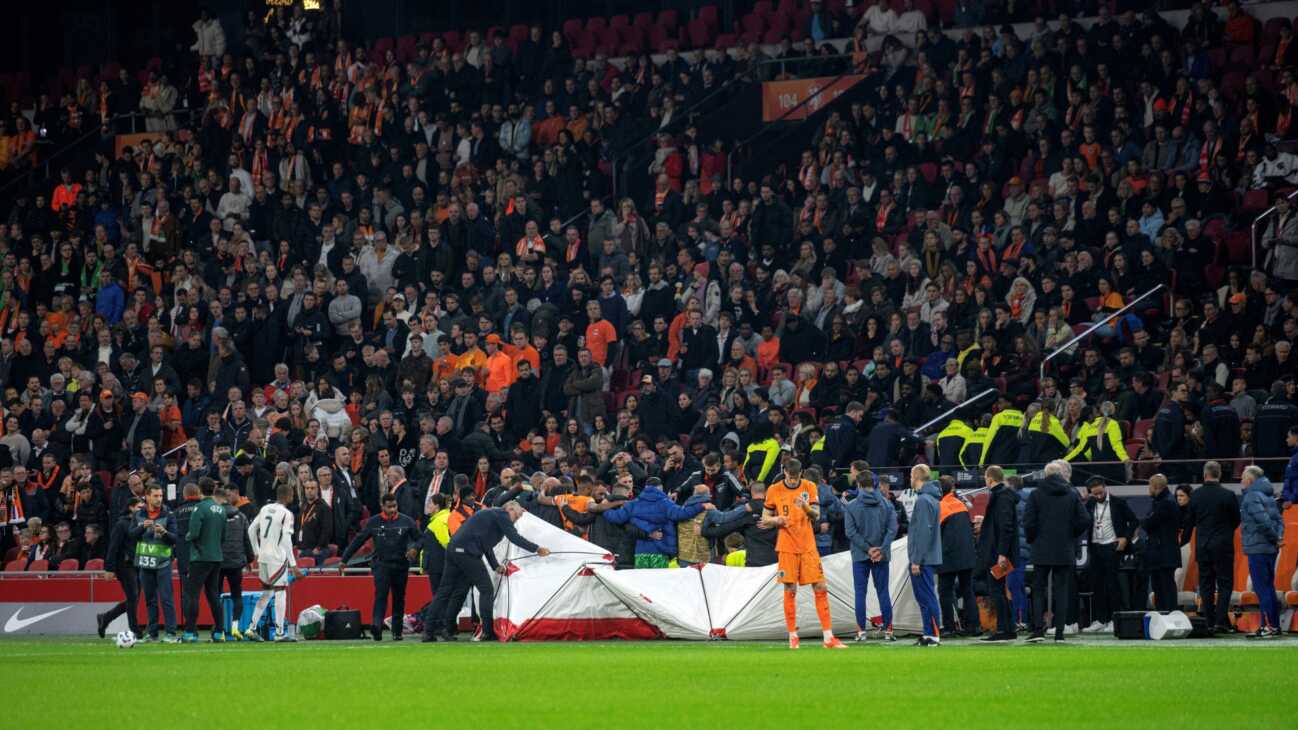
point(273, 574)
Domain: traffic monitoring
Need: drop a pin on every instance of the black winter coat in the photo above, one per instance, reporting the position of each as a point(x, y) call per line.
point(1000, 530)
point(1053, 521)
point(1162, 549)
point(1214, 515)
point(958, 552)
point(759, 543)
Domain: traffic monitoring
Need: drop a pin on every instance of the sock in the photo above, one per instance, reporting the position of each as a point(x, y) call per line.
point(281, 608)
point(822, 610)
point(259, 608)
point(791, 611)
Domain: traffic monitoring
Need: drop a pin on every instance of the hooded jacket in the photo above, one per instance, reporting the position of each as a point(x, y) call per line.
point(870, 522)
point(1261, 527)
point(651, 512)
point(925, 538)
point(1053, 521)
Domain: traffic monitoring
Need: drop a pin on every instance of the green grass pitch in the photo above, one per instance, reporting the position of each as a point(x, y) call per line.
point(1094, 683)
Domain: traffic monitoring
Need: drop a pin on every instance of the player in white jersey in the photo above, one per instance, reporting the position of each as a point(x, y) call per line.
point(271, 534)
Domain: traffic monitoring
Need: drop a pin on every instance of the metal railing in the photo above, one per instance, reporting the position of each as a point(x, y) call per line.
point(953, 409)
point(104, 130)
point(1087, 332)
point(1253, 227)
point(834, 84)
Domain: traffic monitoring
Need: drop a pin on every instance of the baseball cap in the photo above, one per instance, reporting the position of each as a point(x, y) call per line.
point(105, 393)
point(139, 394)
point(1205, 177)
point(1016, 180)
point(646, 380)
point(493, 339)
point(1238, 298)
point(664, 363)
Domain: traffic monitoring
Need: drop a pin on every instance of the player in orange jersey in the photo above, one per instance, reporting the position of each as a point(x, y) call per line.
point(793, 506)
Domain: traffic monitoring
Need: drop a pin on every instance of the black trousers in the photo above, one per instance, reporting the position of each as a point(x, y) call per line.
point(1216, 577)
point(204, 578)
point(129, 580)
point(390, 579)
point(1106, 594)
point(952, 586)
point(1060, 580)
point(1163, 581)
point(233, 577)
point(461, 573)
point(1001, 604)
point(433, 566)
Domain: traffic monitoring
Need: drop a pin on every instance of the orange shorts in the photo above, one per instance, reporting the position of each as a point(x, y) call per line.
point(800, 568)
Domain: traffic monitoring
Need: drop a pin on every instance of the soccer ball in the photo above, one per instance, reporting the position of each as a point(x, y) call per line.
point(125, 639)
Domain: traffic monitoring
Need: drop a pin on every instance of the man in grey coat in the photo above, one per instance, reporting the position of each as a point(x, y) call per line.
point(1280, 241)
point(344, 308)
point(601, 228)
point(925, 551)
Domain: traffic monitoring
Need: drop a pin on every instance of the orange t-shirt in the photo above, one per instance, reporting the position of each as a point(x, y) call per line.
point(526, 352)
point(768, 353)
point(474, 359)
point(445, 366)
point(598, 335)
point(798, 536)
point(500, 372)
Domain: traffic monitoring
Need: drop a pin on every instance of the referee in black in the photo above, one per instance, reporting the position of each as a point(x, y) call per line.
point(396, 539)
point(476, 539)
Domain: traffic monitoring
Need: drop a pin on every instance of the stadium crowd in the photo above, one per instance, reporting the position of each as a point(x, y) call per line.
point(359, 276)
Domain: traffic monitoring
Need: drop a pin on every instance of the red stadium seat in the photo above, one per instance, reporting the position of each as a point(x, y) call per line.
point(620, 21)
point(700, 34)
point(595, 25)
point(668, 19)
point(93, 564)
point(571, 28)
point(709, 14)
point(38, 566)
point(333, 561)
point(306, 562)
point(70, 564)
point(764, 8)
point(643, 20)
point(14, 566)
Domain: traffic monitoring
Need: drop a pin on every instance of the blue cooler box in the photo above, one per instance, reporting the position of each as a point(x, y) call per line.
point(250, 599)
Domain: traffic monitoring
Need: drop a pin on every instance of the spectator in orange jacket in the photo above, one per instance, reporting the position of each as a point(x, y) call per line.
point(65, 193)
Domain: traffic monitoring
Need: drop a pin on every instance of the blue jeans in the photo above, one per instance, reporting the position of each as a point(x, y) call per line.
point(862, 573)
point(157, 589)
point(1017, 582)
point(1261, 568)
point(925, 590)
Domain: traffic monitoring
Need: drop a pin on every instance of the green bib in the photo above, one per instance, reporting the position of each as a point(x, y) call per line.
point(151, 554)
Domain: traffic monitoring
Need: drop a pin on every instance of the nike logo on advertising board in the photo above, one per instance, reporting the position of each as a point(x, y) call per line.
point(15, 623)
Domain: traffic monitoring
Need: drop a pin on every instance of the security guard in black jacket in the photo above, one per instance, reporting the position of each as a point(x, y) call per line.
point(396, 541)
point(841, 438)
point(1169, 434)
point(120, 564)
point(476, 539)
